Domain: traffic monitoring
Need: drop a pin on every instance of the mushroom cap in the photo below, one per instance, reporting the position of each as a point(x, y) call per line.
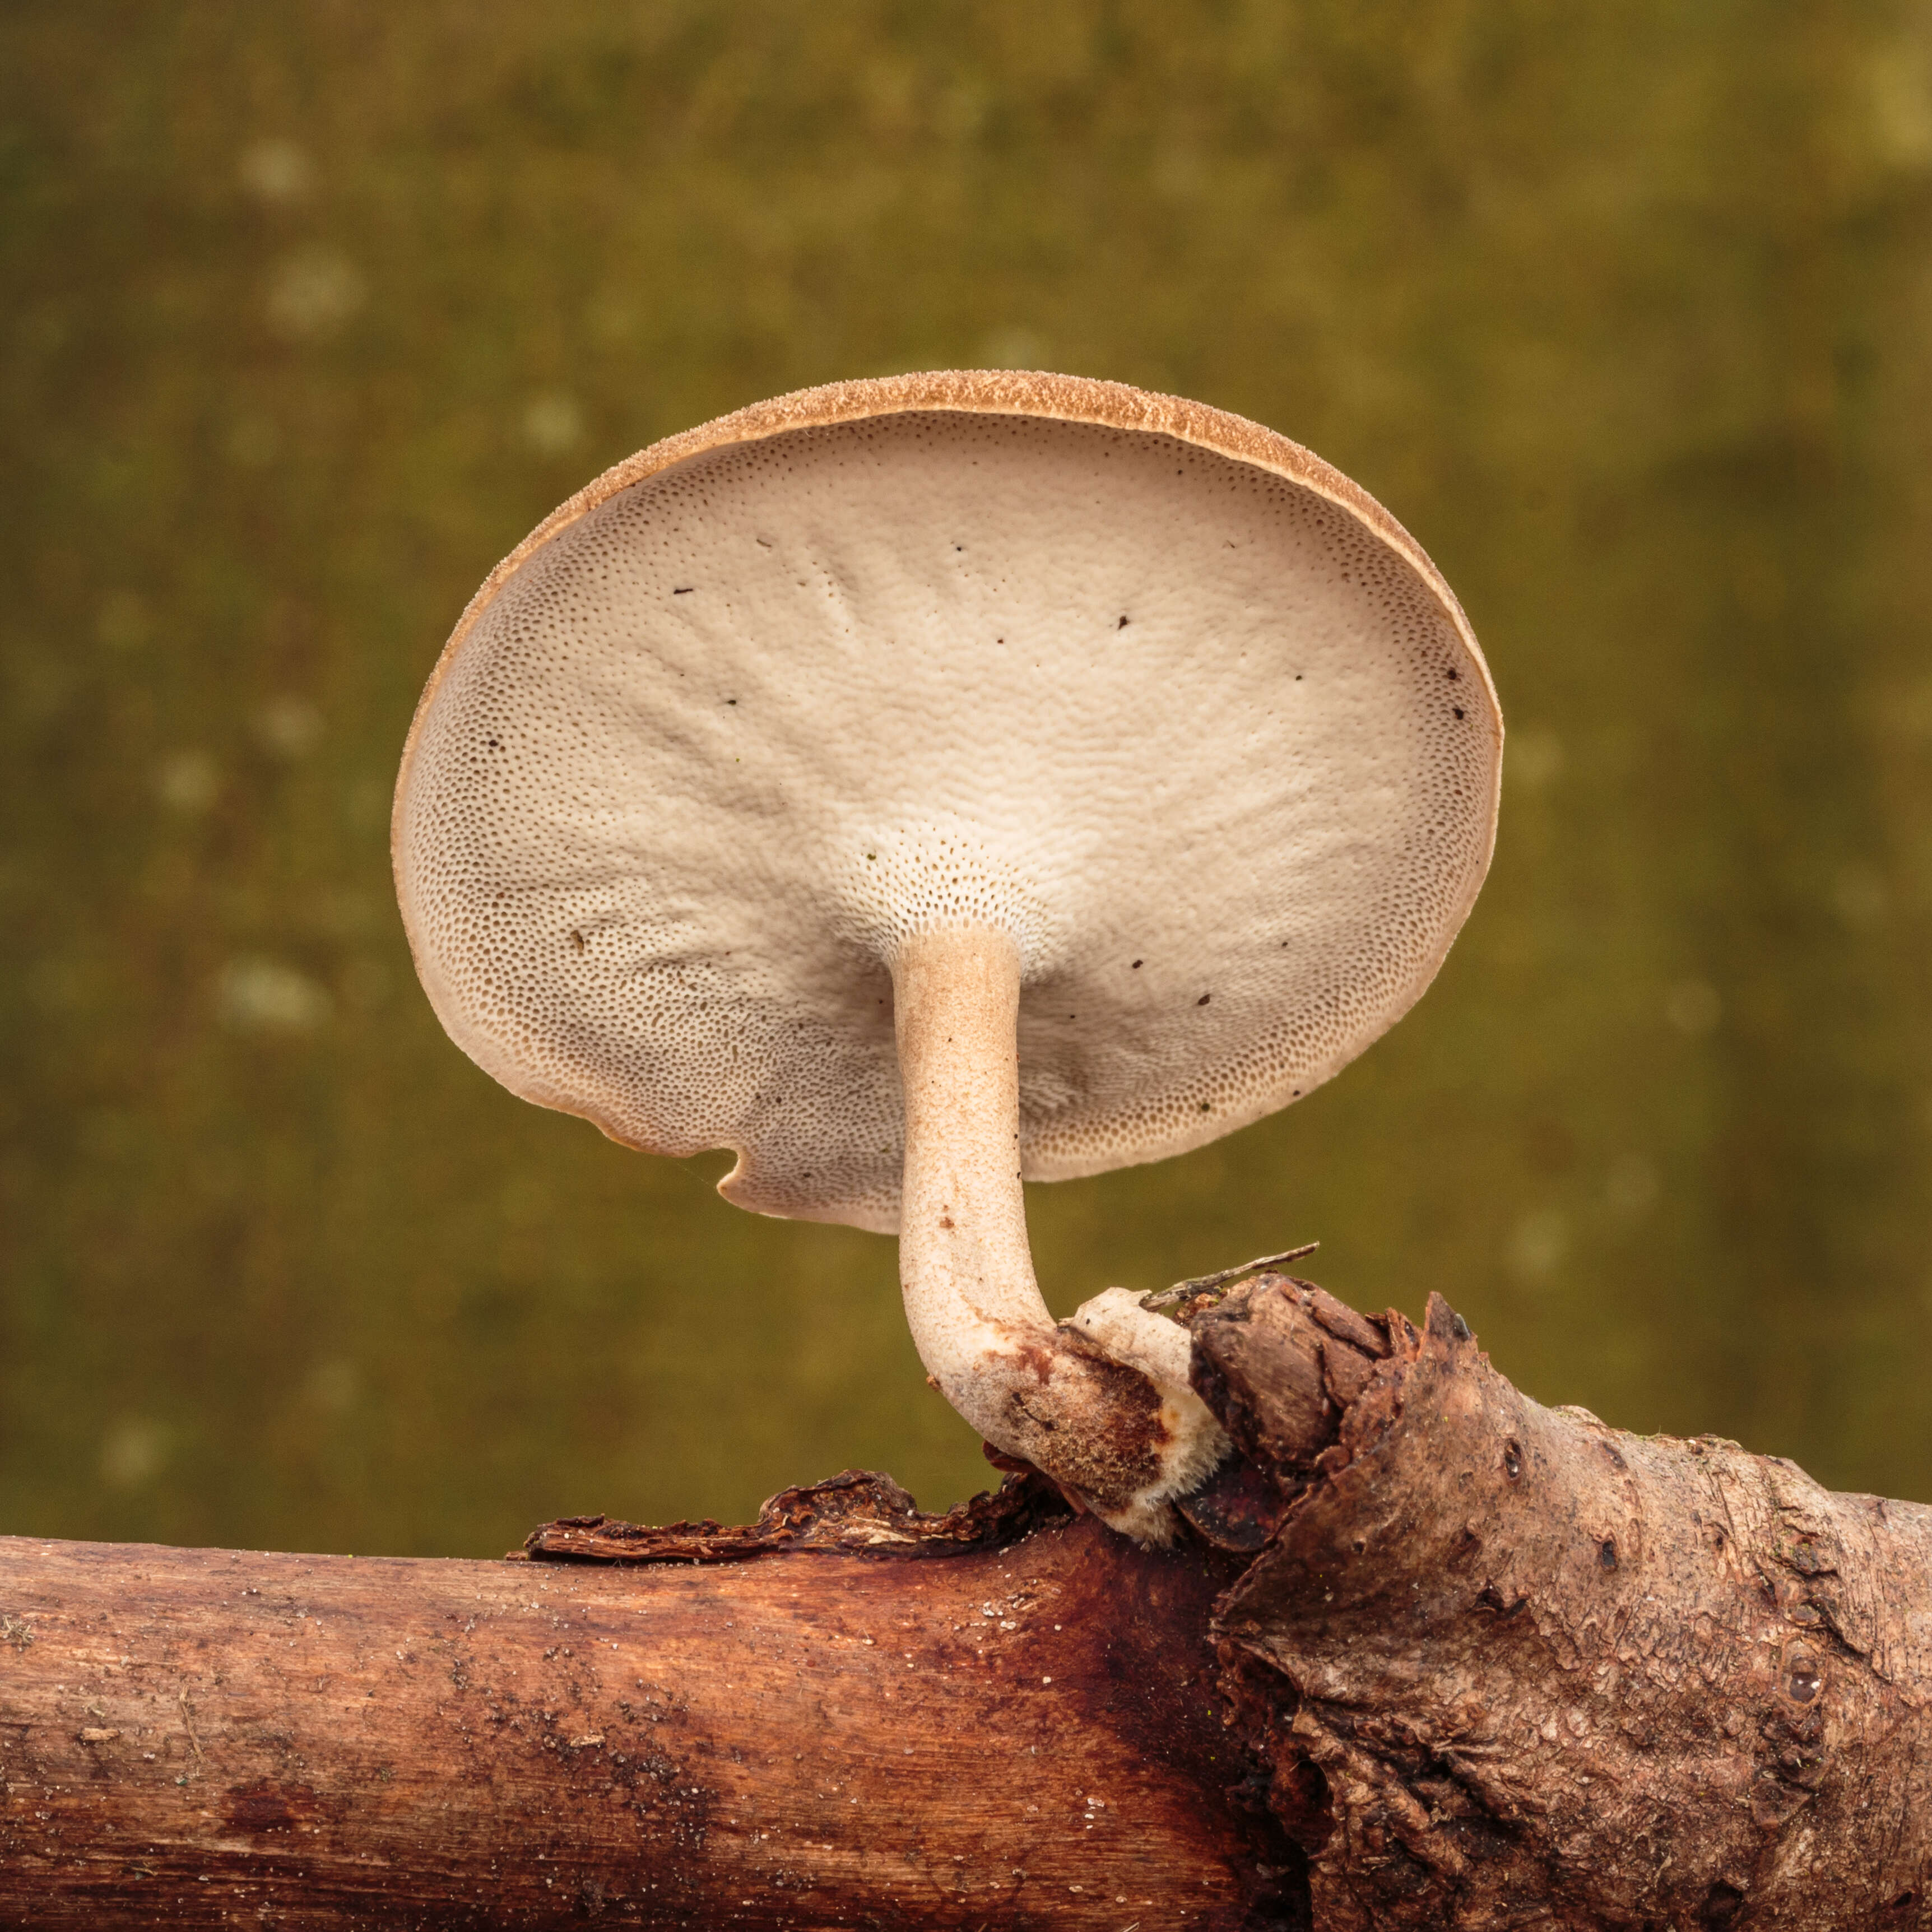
point(1155, 689)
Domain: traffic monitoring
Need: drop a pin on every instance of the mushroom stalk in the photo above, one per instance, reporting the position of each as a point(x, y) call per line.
point(1101, 1403)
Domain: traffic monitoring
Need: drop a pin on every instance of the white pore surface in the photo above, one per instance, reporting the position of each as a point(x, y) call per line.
point(1207, 747)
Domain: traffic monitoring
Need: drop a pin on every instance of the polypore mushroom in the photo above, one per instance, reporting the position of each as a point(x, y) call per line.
point(919, 785)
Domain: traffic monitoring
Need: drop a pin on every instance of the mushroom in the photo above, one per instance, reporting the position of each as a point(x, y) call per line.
point(921, 785)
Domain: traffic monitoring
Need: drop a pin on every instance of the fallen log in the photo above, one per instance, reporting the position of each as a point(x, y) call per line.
point(1433, 1655)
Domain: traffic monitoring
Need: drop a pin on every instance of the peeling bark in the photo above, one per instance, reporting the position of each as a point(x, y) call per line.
point(1436, 1656)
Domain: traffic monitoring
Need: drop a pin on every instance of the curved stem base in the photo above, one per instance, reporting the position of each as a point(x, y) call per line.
point(1101, 1404)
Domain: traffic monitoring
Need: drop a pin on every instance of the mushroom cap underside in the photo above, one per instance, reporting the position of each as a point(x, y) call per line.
point(1176, 707)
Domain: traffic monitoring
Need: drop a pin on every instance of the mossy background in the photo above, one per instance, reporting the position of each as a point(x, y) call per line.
point(311, 310)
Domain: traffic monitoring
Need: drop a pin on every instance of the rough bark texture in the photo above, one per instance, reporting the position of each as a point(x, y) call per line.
point(1516, 1668)
point(1024, 1735)
point(1481, 1664)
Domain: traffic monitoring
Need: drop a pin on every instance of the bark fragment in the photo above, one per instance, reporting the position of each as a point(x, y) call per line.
point(854, 1513)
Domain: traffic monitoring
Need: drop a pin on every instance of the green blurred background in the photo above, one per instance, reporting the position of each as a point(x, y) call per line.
point(311, 311)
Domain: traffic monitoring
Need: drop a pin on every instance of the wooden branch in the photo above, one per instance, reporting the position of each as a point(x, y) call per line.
point(1012, 1735)
point(1438, 1657)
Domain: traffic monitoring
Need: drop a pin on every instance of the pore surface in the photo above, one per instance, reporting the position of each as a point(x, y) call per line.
point(1214, 753)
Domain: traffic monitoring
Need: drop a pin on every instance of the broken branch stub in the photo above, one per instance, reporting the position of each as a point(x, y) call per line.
point(1512, 1666)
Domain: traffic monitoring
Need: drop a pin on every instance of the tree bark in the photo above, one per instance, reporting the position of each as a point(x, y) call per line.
point(1436, 1656)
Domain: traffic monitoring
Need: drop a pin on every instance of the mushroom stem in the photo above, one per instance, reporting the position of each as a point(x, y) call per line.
point(1101, 1403)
